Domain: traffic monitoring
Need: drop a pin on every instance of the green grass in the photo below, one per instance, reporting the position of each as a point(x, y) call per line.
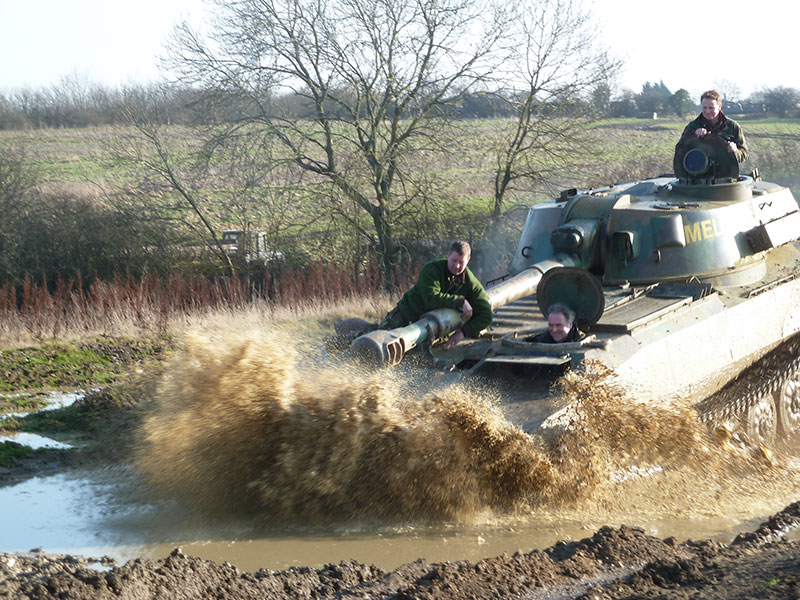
point(51, 367)
point(70, 419)
point(462, 170)
point(21, 403)
point(10, 453)
point(82, 365)
point(65, 155)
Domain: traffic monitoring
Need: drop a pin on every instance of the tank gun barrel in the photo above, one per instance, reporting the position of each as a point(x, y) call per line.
point(522, 284)
point(388, 347)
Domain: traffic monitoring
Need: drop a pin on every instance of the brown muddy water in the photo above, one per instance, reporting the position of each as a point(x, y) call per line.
point(255, 454)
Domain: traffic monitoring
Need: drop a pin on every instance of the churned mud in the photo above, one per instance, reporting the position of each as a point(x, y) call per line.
point(244, 424)
point(612, 564)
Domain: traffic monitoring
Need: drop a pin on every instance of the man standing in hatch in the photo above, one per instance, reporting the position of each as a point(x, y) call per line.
point(712, 121)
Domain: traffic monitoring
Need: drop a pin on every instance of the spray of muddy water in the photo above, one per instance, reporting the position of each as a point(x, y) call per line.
point(242, 424)
point(628, 459)
point(238, 425)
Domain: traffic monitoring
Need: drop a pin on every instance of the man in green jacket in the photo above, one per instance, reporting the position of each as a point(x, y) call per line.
point(712, 121)
point(445, 283)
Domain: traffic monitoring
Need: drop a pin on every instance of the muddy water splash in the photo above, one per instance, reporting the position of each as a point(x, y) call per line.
point(239, 426)
point(626, 460)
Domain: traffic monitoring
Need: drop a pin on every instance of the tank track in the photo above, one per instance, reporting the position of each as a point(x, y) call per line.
point(767, 375)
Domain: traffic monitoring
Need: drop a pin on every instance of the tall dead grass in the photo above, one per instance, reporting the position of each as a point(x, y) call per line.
point(33, 313)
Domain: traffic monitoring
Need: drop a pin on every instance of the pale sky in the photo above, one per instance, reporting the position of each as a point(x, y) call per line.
point(692, 44)
point(685, 43)
point(105, 41)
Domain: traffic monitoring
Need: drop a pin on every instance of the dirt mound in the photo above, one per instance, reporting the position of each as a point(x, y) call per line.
point(716, 573)
point(615, 563)
point(41, 577)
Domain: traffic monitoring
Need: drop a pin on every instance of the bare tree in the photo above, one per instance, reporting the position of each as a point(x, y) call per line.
point(557, 66)
point(18, 179)
point(169, 183)
point(376, 77)
point(730, 91)
point(202, 179)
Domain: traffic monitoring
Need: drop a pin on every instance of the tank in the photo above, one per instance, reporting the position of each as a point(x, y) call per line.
point(685, 285)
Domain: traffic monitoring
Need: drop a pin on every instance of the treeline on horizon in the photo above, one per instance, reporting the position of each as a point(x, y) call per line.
point(77, 103)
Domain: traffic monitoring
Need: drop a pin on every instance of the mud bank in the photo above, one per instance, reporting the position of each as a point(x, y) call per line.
point(612, 564)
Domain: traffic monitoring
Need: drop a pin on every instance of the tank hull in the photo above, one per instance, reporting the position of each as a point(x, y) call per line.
point(692, 346)
point(693, 349)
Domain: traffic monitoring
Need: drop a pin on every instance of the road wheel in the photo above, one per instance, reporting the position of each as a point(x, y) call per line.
point(760, 421)
point(788, 402)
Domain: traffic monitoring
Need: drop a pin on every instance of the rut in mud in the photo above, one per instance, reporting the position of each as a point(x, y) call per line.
point(244, 424)
point(612, 564)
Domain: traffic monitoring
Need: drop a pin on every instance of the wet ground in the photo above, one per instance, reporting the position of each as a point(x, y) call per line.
point(242, 458)
point(611, 564)
point(88, 513)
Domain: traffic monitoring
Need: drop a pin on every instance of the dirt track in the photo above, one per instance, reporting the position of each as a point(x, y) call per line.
point(612, 564)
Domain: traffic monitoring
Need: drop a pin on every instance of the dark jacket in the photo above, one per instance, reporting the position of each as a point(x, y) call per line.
point(545, 338)
point(728, 129)
point(436, 287)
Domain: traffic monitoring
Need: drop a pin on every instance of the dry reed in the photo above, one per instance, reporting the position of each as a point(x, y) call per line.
point(34, 313)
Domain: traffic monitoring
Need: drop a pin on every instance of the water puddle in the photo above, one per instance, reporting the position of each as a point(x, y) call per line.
point(34, 441)
point(53, 401)
point(59, 513)
point(104, 513)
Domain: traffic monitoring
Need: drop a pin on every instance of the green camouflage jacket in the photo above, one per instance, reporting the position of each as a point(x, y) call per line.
point(728, 129)
point(436, 287)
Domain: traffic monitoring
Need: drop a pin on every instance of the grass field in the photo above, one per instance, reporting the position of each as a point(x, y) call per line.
point(80, 158)
point(302, 216)
point(79, 162)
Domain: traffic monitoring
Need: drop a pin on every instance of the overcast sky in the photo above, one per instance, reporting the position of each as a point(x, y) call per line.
point(687, 44)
